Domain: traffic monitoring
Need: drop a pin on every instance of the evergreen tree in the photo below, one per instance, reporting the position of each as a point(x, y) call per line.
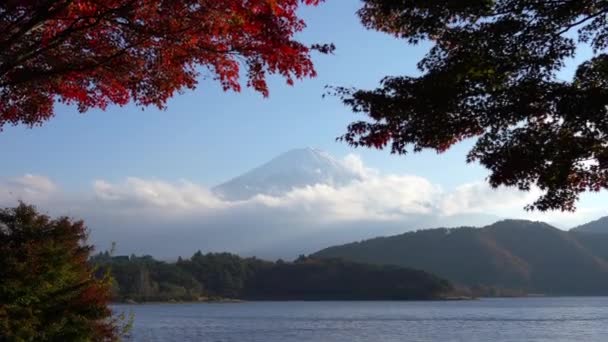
point(48, 289)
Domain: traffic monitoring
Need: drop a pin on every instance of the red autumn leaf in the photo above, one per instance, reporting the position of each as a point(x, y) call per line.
point(96, 53)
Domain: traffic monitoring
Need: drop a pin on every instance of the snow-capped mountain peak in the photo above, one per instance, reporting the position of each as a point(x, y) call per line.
point(292, 169)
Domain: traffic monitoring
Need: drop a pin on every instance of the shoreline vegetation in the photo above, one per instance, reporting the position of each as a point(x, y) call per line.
point(509, 259)
point(218, 278)
point(174, 301)
point(205, 300)
point(219, 300)
point(238, 301)
point(228, 278)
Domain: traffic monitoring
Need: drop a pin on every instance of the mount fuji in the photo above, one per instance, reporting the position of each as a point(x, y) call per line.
point(293, 169)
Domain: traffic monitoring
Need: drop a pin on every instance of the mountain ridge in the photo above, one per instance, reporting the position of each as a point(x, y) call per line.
point(527, 256)
point(597, 226)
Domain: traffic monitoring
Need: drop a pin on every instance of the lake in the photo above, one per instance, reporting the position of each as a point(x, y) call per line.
point(521, 319)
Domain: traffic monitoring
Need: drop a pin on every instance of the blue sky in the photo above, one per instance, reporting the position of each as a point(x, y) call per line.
point(207, 136)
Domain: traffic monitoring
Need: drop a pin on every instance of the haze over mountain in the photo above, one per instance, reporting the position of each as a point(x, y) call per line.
point(598, 226)
point(297, 203)
point(293, 169)
point(525, 256)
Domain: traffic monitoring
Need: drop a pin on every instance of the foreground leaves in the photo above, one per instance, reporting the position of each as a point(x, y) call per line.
point(96, 53)
point(492, 75)
point(48, 290)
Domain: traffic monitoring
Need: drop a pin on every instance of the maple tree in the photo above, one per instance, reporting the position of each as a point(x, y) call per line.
point(93, 53)
point(48, 289)
point(492, 75)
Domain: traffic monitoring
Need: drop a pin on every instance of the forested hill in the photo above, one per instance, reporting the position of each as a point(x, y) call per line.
point(597, 226)
point(521, 256)
point(226, 275)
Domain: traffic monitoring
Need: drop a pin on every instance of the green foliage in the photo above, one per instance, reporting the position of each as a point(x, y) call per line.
point(335, 279)
point(493, 74)
point(146, 279)
point(224, 275)
point(509, 257)
point(48, 290)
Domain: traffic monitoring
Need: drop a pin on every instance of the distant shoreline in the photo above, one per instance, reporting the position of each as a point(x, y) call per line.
point(446, 299)
point(237, 301)
point(207, 301)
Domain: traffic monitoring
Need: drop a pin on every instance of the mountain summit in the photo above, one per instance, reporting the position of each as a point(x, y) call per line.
point(292, 169)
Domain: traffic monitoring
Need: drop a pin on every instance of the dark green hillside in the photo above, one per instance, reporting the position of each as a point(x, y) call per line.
point(596, 243)
point(462, 254)
point(315, 279)
point(597, 226)
point(512, 254)
point(556, 261)
point(224, 275)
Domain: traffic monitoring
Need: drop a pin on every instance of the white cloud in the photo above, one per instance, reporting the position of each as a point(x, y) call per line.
point(170, 218)
point(142, 192)
point(479, 197)
point(380, 198)
point(354, 163)
point(27, 188)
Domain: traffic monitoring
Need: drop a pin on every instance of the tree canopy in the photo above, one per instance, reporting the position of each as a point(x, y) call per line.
point(492, 75)
point(96, 53)
point(225, 275)
point(48, 289)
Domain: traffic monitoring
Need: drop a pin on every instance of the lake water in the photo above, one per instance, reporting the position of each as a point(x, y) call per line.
point(498, 320)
